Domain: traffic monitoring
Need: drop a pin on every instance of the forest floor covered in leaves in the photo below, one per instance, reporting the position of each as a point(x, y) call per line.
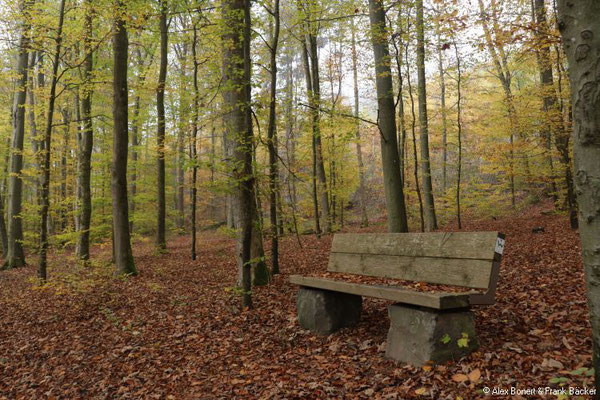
point(176, 331)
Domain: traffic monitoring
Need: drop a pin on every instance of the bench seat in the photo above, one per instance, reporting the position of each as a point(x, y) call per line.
point(435, 300)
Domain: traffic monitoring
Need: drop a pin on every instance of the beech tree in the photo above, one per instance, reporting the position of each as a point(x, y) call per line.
point(161, 243)
point(123, 256)
point(394, 194)
point(578, 23)
point(238, 126)
point(15, 256)
point(429, 205)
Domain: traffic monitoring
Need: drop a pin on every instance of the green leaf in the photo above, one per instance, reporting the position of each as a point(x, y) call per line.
point(446, 339)
point(559, 379)
point(464, 341)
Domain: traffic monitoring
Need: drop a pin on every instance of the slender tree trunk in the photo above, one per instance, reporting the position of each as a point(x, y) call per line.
point(160, 135)
point(309, 92)
point(272, 140)
point(499, 59)
point(47, 150)
point(362, 190)
point(554, 120)
point(238, 125)
point(430, 217)
point(135, 127)
point(394, 194)
point(15, 256)
point(194, 154)
point(316, 93)
point(123, 256)
point(459, 133)
point(63, 167)
point(414, 141)
point(443, 109)
point(578, 23)
point(86, 143)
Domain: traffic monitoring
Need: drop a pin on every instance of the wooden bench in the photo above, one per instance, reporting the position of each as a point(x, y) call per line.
point(424, 326)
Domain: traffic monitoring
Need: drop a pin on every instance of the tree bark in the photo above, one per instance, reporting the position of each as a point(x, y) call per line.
point(271, 144)
point(362, 190)
point(386, 120)
point(123, 256)
point(553, 115)
point(47, 150)
point(86, 144)
point(309, 93)
point(238, 126)
point(316, 94)
point(578, 23)
point(430, 217)
point(443, 108)
point(194, 154)
point(161, 243)
point(459, 133)
point(15, 256)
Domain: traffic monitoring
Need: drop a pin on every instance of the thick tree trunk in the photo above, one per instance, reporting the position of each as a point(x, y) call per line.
point(238, 126)
point(123, 256)
point(161, 243)
point(578, 23)
point(394, 194)
point(15, 256)
point(430, 217)
point(47, 150)
point(362, 190)
point(272, 141)
point(86, 143)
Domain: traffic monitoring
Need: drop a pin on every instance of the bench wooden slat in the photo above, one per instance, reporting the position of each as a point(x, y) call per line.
point(445, 271)
point(437, 300)
point(472, 245)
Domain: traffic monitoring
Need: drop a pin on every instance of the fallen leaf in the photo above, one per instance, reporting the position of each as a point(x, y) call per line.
point(460, 378)
point(475, 375)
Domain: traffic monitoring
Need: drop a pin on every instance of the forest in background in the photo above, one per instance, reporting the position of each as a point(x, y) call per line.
point(505, 56)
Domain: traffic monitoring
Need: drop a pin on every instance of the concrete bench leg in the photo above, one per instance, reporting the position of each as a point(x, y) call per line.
point(325, 311)
point(419, 335)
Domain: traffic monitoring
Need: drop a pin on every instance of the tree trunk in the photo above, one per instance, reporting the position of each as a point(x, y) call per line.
point(504, 75)
point(47, 150)
point(459, 133)
point(553, 115)
point(86, 143)
point(430, 217)
point(238, 127)
point(443, 109)
point(194, 154)
point(578, 23)
point(414, 141)
point(123, 256)
point(160, 134)
point(309, 93)
point(272, 140)
point(362, 190)
point(394, 194)
point(15, 256)
point(316, 94)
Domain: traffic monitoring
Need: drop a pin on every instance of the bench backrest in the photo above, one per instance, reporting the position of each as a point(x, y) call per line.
point(468, 259)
